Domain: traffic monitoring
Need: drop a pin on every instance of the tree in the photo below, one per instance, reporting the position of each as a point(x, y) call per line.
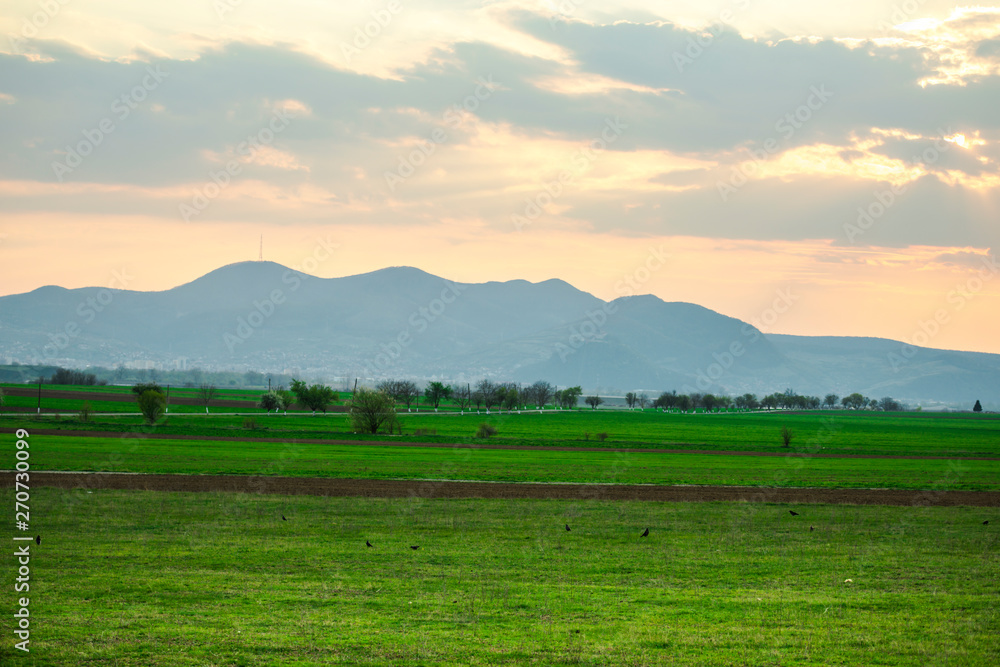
point(747, 402)
point(316, 397)
point(142, 387)
point(487, 390)
point(463, 396)
point(390, 387)
point(269, 401)
point(889, 404)
point(206, 392)
point(286, 397)
point(509, 396)
point(854, 402)
point(666, 400)
point(709, 401)
point(541, 393)
point(151, 404)
point(978, 407)
point(408, 392)
point(769, 402)
point(830, 400)
point(437, 392)
point(786, 436)
point(643, 401)
point(569, 397)
point(594, 401)
point(373, 412)
point(630, 399)
point(66, 376)
point(684, 402)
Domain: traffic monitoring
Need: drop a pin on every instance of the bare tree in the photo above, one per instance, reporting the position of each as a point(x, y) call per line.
point(408, 392)
point(206, 393)
point(594, 401)
point(463, 396)
point(541, 393)
point(488, 391)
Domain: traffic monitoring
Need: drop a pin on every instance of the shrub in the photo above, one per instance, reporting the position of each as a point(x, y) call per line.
point(250, 423)
point(85, 411)
point(373, 412)
point(786, 436)
point(425, 431)
point(151, 404)
point(486, 431)
point(602, 436)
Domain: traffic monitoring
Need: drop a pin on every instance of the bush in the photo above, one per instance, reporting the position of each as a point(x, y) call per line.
point(373, 412)
point(250, 423)
point(152, 404)
point(602, 436)
point(486, 431)
point(425, 431)
point(786, 436)
point(85, 411)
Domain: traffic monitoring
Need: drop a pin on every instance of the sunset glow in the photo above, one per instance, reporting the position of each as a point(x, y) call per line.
point(782, 147)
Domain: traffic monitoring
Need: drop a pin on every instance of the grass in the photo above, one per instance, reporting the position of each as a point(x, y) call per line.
point(145, 578)
point(909, 434)
point(305, 458)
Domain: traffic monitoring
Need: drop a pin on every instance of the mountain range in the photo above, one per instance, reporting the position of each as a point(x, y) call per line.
point(403, 322)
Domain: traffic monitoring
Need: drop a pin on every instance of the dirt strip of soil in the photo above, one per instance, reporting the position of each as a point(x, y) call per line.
point(373, 488)
point(536, 448)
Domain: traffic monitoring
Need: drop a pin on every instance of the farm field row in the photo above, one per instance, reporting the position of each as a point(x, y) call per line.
point(141, 578)
point(311, 459)
point(838, 432)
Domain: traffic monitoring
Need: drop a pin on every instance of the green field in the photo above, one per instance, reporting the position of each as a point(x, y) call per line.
point(143, 578)
point(162, 578)
point(305, 458)
point(836, 432)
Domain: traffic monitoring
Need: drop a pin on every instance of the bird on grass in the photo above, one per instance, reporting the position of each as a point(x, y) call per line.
point(283, 518)
point(567, 527)
point(368, 543)
point(645, 533)
point(793, 512)
point(38, 538)
point(415, 548)
point(810, 529)
point(986, 523)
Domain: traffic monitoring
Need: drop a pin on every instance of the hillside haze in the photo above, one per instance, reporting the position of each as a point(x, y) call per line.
point(404, 322)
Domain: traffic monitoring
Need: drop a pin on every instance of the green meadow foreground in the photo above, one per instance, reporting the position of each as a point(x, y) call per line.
point(147, 578)
point(167, 578)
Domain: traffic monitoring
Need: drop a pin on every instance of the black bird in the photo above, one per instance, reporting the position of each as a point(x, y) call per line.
point(810, 529)
point(38, 538)
point(793, 512)
point(415, 548)
point(985, 523)
point(645, 533)
point(567, 527)
point(368, 543)
point(283, 518)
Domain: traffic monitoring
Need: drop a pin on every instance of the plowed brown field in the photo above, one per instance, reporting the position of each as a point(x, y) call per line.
point(452, 489)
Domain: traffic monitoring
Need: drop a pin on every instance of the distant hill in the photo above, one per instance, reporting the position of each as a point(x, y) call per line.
point(403, 322)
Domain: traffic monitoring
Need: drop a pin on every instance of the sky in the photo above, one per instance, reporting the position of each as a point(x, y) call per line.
point(821, 168)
